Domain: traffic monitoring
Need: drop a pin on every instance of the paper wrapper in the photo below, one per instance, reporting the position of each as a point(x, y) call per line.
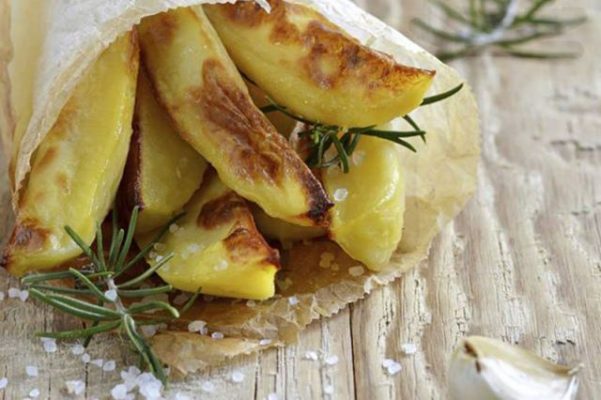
point(54, 42)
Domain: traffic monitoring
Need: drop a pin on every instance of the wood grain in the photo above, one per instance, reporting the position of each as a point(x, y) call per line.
point(521, 263)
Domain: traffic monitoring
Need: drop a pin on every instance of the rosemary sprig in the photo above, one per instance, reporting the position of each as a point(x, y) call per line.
point(499, 25)
point(95, 294)
point(344, 141)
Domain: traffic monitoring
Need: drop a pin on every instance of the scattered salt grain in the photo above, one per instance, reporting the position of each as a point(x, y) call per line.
point(23, 295)
point(49, 345)
point(149, 330)
point(264, 342)
point(358, 157)
point(237, 377)
point(149, 386)
point(34, 393)
point(77, 349)
point(328, 389)
point(217, 335)
point(130, 377)
point(108, 366)
point(119, 392)
point(273, 396)
point(159, 246)
point(158, 259)
point(409, 348)
point(181, 299)
point(356, 271)
point(311, 355)
point(293, 300)
point(85, 358)
point(331, 360)
point(181, 396)
point(99, 362)
point(207, 387)
point(251, 303)
point(193, 248)
point(173, 228)
point(31, 371)
point(3, 383)
point(198, 326)
point(111, 294)
point(340, 195)
point(75, 387)
point(392, 367)
point(221, 265)
point(13, 293)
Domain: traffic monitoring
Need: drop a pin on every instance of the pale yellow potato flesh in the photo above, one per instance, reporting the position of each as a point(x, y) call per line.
point(162, 171)
point(308, 64)
point(208, 100)
point(367, 218)
point(77, 168)
point(273, 228)
point(217, 249)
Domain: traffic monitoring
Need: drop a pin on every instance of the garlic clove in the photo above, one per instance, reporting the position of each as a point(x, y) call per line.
point(488, 369)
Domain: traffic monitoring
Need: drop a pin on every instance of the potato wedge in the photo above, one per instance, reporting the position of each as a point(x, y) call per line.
point(209, 102)
point(217, 248)
point(77, 168)
point(162, 170)
point(283, 123)
point(367, 219)
point(283, 231)
point(314, 68)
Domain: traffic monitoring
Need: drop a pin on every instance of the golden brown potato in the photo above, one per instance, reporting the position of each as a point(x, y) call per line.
point(206, 97)
point(216, 247)
point(314, 68)
point(282, 231)
point(77, 168)
point(162, 171)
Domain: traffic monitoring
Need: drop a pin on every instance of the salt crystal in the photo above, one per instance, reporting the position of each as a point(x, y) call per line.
point(328, 389)
point(1, 296)
point(31, 371)
point(273, 396)
point(387, 362)
point(149, 330)
point(130, 377)
point(119, 392)
point(150, 387)
point(392, 367)
point(293, 300)
point(198, 326)
point(207, 387)
point(23, 295)
point(49, 345)
point(158, 259)
point(99, 362)
point(221, 265)
point(13, 293)
point(181, 396)
point(86, 358)
point(181, 299)
point(409, 348)
point(358, 157)
point(153, 255)
point(109, 366)
point(264, 342)
point(111, 294)
point(75, 387)
point(3, 383)
point(356, 271)
point(251, 303)
point(173, 228)
point(340, 195)
point(237, 377)
point(217, 335)
point(331, 360)
point(311, 355)
point(159, 246)
point(77, 349)
point(34, 393)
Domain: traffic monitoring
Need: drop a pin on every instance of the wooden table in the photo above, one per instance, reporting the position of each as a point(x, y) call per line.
point(521, 263)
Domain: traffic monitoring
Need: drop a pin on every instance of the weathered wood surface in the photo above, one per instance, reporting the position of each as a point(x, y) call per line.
point(521, 263)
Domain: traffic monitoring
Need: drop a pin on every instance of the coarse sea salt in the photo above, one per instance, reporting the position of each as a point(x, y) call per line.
point(264, 342)
point(49, 345)
point(111, 294)
point(237, 377)
point(328, 389)
point(13, 293)
point(75, 387)
point(180, 299)
point(293, 300)
point(110, 365)
point(2, 296)
point(331, 360)
point(221, 265)
point(77, 349)
point(207, 387)
point(356, 271)
point(340, 195)
point(409, 348)
point(273, 396)
point(23, 295)
point(311, 355)
point(119, 392)
point(149, 330)
point(34, 393)
point(99, 362)
point(3, 383)
point(31, 371)
point(85, 358)
point(198, 326)
point(217, 335)
point(392, 367)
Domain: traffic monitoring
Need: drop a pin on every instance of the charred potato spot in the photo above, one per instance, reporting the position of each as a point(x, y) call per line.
point(28, 236)
point(243, 243)
point(221, 211)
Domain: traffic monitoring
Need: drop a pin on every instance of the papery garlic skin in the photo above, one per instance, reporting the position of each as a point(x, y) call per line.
point(487, 369)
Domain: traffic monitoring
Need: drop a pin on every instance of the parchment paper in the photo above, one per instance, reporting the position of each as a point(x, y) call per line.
point(50, 58)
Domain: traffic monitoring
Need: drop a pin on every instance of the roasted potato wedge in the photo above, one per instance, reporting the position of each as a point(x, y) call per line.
point(367, 219)
point(283, 231)
point(77, 168)
point(216, 247)
point(283, 123)
point(206, 97)
point(308, 64)
point(162, 171)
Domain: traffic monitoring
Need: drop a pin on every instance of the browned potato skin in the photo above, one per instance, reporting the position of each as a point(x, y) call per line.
point(205, 95)
point(308, 64)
